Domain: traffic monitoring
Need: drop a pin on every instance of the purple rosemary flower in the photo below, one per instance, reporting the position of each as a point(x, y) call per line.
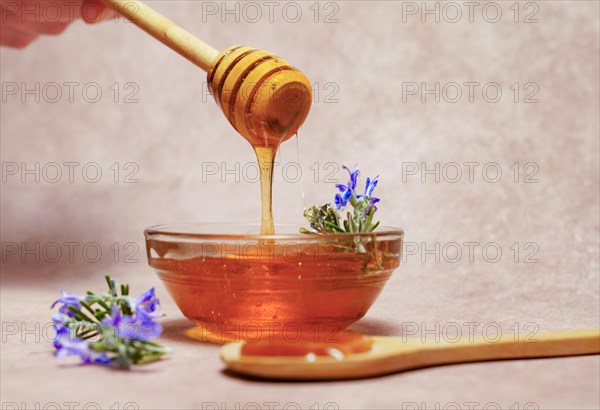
point(137, 327)
point(60, 319)
point(67, 344)
point(147, 304)
point(347, 191)
point(369, 187)
point(68, 299)
point(371, 200)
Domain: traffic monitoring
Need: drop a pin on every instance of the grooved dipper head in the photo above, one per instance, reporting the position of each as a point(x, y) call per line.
point(264, 98)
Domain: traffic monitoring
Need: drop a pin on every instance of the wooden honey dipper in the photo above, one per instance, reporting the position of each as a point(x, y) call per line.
point(264, 98)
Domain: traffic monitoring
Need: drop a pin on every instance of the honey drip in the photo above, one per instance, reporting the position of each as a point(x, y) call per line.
point(266, 159)
point(266, 144)
point(300, 166)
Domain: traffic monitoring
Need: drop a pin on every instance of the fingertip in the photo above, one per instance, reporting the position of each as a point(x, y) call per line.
point(11, 36)
point(19, 42)
point(92, 11)
point(56, 28)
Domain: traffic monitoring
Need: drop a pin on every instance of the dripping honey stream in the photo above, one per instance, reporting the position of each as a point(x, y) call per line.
point(266, 159)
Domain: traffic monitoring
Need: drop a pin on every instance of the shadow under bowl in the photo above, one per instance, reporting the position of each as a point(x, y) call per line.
point(238, 285)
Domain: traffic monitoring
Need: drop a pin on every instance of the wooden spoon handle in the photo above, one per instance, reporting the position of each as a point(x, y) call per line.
point(165, 31)
point(551, 344)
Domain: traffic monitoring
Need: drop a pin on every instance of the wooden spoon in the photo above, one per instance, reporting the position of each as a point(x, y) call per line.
point(393, 354)
point(264, 98)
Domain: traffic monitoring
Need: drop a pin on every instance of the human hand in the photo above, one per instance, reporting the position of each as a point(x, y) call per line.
point(24, 20)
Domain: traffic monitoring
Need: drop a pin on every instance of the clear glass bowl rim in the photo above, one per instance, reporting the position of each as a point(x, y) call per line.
point(176, 231)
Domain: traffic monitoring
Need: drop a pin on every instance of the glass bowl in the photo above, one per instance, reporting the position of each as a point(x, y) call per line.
point(239, 285)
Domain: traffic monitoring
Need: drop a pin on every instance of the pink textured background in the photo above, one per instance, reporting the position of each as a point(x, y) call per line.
point(175, 130)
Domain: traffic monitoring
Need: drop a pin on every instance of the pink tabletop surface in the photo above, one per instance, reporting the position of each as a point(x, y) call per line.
point(525, 201)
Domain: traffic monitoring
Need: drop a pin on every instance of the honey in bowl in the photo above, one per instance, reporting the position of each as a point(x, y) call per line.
point(248, 287)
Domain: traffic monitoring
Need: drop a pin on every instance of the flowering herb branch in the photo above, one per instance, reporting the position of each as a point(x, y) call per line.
point(327, 218)
point(110, 328)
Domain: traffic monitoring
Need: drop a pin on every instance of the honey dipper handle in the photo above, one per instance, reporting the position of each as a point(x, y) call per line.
point(165, 31)
point(551, 344)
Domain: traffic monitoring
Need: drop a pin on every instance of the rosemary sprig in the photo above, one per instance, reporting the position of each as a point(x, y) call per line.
point(122, 327)
point(327, 219)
